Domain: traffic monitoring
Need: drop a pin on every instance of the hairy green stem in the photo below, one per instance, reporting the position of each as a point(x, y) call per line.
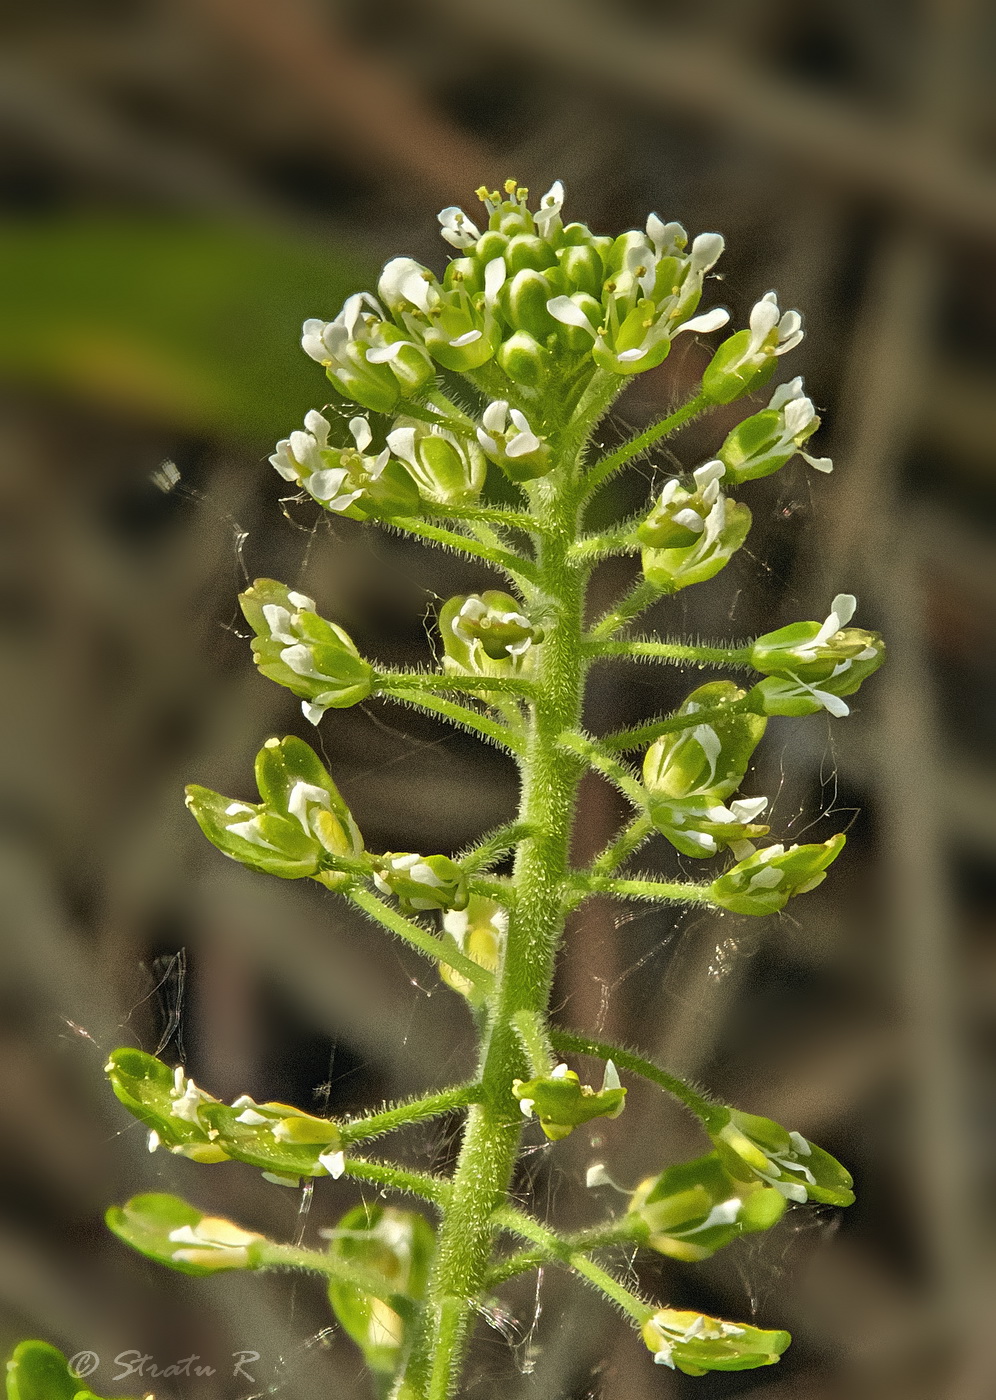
point(550, 778)
point(519, 569)
point(459, 715)
point(708, 1113)
point(674, 651)
point(608, 466)
point(437, 950)
point(642, 734)
point(413, 1111)
point(637, 600)
point(627, 843)
point(472, 685)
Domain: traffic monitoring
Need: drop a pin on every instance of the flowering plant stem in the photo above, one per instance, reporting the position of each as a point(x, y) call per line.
point(514, 673)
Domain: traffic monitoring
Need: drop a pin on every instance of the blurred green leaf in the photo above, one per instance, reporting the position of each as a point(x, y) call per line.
point(189, 324)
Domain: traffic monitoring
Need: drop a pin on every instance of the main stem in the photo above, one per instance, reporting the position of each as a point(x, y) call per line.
point(550, 778)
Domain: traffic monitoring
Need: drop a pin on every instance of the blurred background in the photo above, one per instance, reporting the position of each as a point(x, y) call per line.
point(180, 186)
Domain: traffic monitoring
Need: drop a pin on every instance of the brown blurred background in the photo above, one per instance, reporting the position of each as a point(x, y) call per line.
point(181, 184)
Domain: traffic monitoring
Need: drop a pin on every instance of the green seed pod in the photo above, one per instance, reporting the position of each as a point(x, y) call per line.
point(755, 1149)
point(293, 646)
point(747, 360)
point(421, 882)
point(168, 1230)
point(562, 1103)
point(524, 302)
point(764, 882)
point(445, 468)
point(695, 1208)
point(725, 529)
point(528, 251)
point(391, 1246)
point(694, 1343)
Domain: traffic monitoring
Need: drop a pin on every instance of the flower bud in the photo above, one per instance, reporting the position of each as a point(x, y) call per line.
point(710, 759)
point(764, 442)
point(486, 635)
point(695, 1344)
point(445, 468)
point(479, 931)
point(695, 1208)
point(679, 517)
point(346, 479)
point(562, 1103)
point(582, 268)
point(746, 361)
point(754, 1149)
point(509, 441)
point(172, 1232)
point(523, 304)
point(724, 530)
point(300, 822)
point(698, 826)
point(764, 882)
point(524, 360)
point(421, 882)
point(527, 252)
point(293, 646)
point(391, 1246)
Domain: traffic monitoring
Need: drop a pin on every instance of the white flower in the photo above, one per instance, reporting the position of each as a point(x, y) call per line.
point(517, 443)
point(765, 317)
point(798, 416)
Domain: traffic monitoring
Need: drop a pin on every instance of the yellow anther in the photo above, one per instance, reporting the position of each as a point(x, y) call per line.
point(510, 186)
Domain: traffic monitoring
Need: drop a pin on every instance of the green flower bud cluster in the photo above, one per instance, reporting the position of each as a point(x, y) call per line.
point(746, 361)
point(479, 931)
point(752, 1148)
point(693, 1209)
point(562, 1103)
point(301, 827)
point(486, 634)
point(694, 1343)
point(172, 1232)
point(689, 775)
point(764, 882)
point(293, 646)
point(346, 480)
point(37, 1371)
point(283, 1142)
point(809, 666)
point(763, 443)
point(392, 1245)
point(421, 882)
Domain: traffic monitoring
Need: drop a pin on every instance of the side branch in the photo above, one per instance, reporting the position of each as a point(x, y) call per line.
point(708, 1113)
point(561, 1251)
point(608, 466)
point(412, 1111)
point(428, 1188)
point(607, 764)
point(656, 891)
point(653, 650)
point(435, 949)
point(398, 681)
point(516, 566)
point(459, 715)
point(490, 849)
point(637, 600)
point(642, 734)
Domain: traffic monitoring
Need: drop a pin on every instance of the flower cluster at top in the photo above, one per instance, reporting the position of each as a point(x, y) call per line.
point(529, 310)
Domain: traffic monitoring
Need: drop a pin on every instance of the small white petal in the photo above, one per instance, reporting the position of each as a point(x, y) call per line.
point(709, 321)
point(467, 338)
point(494, 416)
point(362, 435)
point(494, 279)
point(334, 1163)
point(526, 1107)
point(610, 1080)
point(631, 356)
point(568, 313)
point(560, 1072)
point(844, 605)
point(522, 444)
